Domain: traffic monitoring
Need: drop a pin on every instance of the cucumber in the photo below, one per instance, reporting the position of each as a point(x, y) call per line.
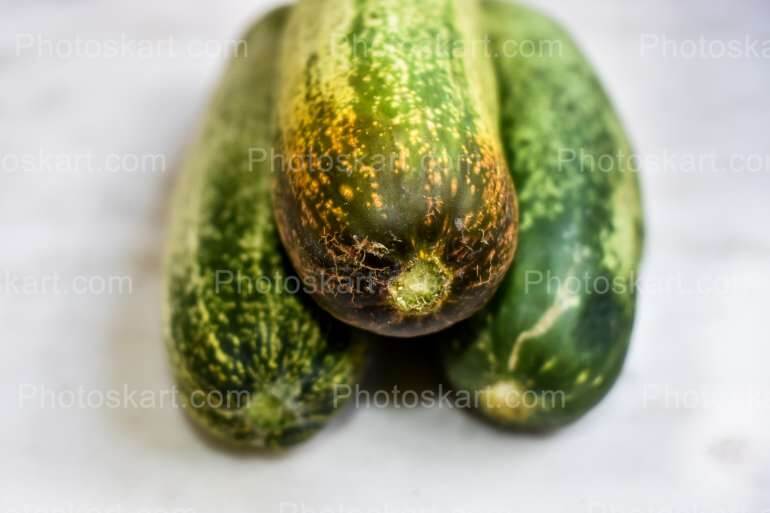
point(553, 340)
point(391, 193)
point(256, 364)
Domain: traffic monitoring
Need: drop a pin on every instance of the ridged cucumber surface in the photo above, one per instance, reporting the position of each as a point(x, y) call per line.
point(257, 364)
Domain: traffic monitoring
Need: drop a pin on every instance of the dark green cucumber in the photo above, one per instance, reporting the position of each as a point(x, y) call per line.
point(553, 340)
point(392, 195)
point(256, 363)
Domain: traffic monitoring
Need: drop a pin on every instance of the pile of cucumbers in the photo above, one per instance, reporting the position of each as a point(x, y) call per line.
point(402, 168)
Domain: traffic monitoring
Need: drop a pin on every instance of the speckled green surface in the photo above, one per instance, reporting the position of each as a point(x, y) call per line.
point(392, 162)
point(553, 340)
point(234, 328)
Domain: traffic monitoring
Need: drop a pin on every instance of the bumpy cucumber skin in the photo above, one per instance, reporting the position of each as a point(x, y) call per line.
point(273, 354)
point(391, 162)
point(543, 353)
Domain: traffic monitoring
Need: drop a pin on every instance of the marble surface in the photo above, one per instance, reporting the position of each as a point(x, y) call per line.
point(87, 141)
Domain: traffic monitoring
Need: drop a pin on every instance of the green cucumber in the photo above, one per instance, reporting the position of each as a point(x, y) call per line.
point(392, 188)
point(553, 340)
point(256, 364)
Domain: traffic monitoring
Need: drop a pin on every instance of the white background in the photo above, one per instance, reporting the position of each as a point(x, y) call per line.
point(687, 428)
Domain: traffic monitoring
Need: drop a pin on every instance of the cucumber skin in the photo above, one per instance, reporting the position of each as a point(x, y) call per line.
point(276, 354)
point(352, 89)
point(577, 221)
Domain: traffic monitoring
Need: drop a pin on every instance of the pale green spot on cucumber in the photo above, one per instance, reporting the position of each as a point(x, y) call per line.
point(507, 401)
point(548, 365)
point(566, 299)
point(620, 245)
